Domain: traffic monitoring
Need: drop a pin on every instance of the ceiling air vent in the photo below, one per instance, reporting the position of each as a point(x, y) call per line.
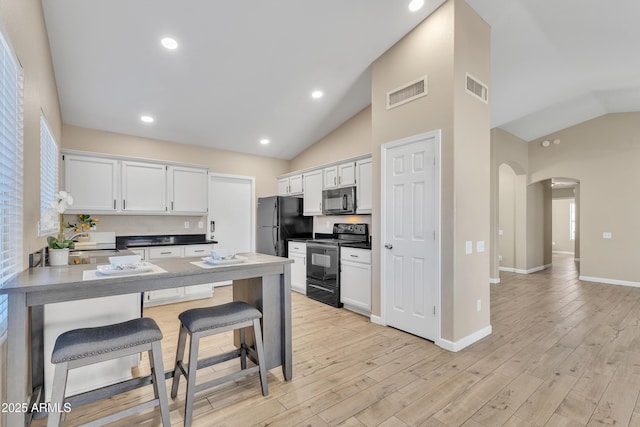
point(476, 88)
point(413, 90)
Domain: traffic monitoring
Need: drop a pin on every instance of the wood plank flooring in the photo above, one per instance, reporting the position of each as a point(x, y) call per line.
point(562, 353)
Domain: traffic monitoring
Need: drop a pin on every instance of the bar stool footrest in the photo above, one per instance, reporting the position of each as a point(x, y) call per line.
point(226, 378)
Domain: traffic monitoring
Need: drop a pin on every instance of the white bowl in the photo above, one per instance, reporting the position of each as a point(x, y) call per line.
point(124, 259)
point(223, 254)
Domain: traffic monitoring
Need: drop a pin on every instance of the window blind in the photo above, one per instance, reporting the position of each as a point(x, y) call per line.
point(48, 173)
point(11, 171)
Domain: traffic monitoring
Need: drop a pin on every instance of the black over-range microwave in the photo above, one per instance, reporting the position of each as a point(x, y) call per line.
point(339, 201)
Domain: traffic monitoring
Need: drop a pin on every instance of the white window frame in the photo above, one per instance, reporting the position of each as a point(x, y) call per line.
point(49, 154)
point(572, 221)
point(11, 172)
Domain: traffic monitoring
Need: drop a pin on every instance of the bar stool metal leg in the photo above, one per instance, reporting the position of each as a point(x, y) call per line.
point(57, 394)
point(191, 379)
point(182, 339)
point(159, 383)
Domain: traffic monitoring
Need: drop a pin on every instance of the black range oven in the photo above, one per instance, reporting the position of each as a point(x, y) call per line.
point(323, 261)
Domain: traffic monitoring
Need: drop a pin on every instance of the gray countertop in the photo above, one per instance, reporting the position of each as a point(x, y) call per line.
point(67, 280)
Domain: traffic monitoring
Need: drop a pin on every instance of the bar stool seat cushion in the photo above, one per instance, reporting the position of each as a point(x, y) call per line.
point(85, 342)
point(218, 316)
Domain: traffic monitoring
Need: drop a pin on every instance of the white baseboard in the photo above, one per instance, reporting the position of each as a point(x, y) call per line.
point(494, 281)
point(521, 271)
point(464, 342)
point(563, 252)
point(377, 320)
point(610, 281)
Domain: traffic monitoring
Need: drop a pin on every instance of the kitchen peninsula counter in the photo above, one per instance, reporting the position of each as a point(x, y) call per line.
point(262, 280)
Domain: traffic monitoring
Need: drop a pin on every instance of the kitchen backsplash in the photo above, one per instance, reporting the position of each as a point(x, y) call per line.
point(324, 224)
point(137, 225)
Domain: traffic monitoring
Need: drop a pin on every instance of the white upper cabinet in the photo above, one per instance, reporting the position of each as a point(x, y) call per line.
point(93, 183)
point(109, 184)
point(144, 187)
point(330, 177)
point(312, 201)
point(364, 184)
point(347, 174)
point(342, 175)
point(290, 185)
point(187, 189)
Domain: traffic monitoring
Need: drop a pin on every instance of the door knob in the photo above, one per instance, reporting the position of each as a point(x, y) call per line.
point(388, 246)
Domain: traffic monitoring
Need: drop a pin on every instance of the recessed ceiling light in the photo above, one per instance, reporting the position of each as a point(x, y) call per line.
point(169, 43)
point(416, 5)
point(147, 119)
point(264, 141)
point(317, 94)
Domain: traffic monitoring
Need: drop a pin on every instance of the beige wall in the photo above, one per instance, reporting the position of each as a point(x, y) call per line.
point(23, 26)
point(351, 139)
point(507, 149)
point(603, 155)
point(560, 228)
point(264, 169)
point(449, 42)
point(507, 217)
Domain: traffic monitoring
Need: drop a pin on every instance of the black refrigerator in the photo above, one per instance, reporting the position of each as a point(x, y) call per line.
point(280, 218)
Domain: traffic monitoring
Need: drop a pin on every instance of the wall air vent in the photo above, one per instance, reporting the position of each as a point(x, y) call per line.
point(413, 90)
point(476, 88)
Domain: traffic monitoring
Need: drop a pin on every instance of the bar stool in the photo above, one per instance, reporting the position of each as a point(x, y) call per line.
point(203, 322)
point(81, 347)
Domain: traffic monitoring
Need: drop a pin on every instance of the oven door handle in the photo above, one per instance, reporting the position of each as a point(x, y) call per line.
point(320, 287)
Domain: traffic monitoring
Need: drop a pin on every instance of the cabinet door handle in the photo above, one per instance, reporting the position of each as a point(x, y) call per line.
point(124, 204)
point(114, 204)
point(199, 250)
point(171, 205)
point(354, 256)
point(165, 253)
point(334, 181)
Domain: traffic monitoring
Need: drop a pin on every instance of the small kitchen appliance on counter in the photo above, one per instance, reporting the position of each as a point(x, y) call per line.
point(323, 260)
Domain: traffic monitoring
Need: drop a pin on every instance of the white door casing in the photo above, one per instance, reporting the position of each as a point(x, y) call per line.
point(410, 257)
point(232, 207)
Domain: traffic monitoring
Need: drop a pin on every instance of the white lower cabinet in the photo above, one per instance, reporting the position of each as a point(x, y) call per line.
point(171, 295)
point(355, 279)
point(298, 253)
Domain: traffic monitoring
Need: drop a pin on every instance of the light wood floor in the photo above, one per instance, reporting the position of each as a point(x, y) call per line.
point(562, 353)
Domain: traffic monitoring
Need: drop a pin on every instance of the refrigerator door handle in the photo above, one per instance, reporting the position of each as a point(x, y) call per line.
point(274, 239)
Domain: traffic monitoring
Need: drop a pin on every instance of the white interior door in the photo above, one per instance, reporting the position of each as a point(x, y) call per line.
point(232, 212)
point(409, 253)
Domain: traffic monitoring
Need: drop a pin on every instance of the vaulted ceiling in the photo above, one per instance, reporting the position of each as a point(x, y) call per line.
point(245, 71)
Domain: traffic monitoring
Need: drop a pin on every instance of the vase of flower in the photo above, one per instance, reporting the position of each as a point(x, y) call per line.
point(59, 256)
point(59, 245)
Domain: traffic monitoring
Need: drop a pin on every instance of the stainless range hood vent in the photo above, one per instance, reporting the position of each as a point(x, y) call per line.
point(413, 90)
point(476, 88)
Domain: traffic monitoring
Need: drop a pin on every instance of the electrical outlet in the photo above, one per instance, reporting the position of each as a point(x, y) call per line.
point(480, 246)
point(186, 224)
point(607, 235)
point(200, 224)
point(478, 305)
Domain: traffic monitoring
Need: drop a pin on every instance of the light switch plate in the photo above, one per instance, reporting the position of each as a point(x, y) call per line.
point(186, 224)
point(200, 224)
point(468, 247)
point(480, 246)
point(500, 232)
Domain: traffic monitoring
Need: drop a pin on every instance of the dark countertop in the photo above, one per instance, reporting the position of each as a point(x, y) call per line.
point(359, 245)
point(125, 242)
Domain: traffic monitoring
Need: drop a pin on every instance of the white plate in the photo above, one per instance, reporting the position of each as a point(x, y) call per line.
point(110, 270)
point(235, 260)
